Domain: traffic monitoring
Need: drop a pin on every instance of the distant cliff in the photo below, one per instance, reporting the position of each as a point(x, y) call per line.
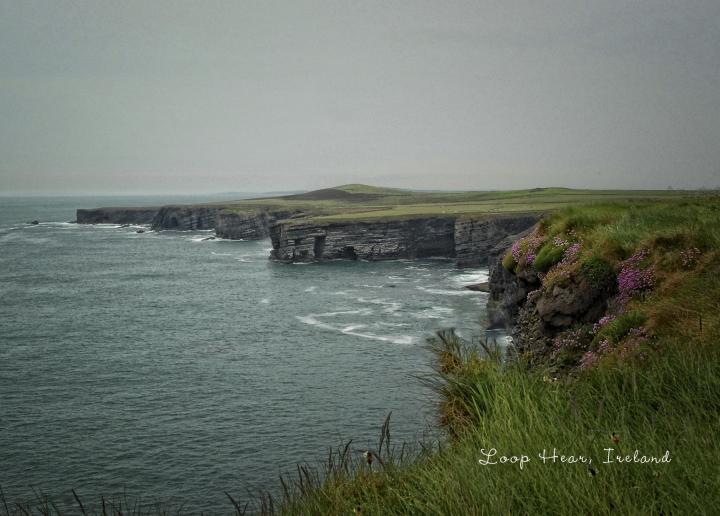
point(184, 218)
point(473, 241)
point(231, 224)
point(480, 240)
point(116, 215)
point(249, 225)
point(368, 240)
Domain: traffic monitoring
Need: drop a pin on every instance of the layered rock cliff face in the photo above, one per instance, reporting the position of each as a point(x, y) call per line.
point(248, 225)
point(185, 218)
point(481, 240)
point(473, 241)
point(233, 225)
point(367, 240)
point(116, 215)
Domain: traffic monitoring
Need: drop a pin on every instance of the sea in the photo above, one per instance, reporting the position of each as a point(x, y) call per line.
point(171, 368)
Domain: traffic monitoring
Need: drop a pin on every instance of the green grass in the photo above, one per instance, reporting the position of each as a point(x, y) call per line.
point(363, 202)
point(617, 229)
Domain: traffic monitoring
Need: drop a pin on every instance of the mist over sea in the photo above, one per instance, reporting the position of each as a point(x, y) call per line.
point(176, 368)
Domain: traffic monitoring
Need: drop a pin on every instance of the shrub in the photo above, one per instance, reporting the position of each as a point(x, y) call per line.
point(548, 256)
point(600, 273)
point(617, 329)
point(509, 262)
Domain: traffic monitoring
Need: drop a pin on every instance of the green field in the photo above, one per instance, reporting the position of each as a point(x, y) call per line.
point(362, 202)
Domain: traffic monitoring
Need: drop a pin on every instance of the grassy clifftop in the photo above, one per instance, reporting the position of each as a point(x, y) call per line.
point(356, 202)
point(636, 424)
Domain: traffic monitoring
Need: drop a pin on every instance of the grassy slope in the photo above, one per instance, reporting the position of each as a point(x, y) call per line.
point(667, 398)
point(362, 202)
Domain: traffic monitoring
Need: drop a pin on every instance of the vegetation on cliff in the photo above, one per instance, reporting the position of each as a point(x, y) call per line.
point(644, 408)
point(606, 276)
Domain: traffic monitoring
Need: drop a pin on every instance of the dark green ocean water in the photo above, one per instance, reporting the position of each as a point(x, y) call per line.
point(175, 369)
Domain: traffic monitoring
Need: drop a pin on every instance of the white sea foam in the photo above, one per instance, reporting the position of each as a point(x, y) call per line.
point(56, 224)
point(436, 312)
point(202, 239)
point(311, 289)
point(352, 328)
point(265, 301)
point(471, 277)
point(390, 306)
point(394, 339)
point(393, 324)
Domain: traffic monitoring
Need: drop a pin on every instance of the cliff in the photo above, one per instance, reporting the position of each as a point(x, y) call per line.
point(473, 241)
point(539, 310)
point(249, 225)
point(367, 240)
point(165, 217)
point(481, 240)
point(185, 218)
point(570, 290)
point(116, 215)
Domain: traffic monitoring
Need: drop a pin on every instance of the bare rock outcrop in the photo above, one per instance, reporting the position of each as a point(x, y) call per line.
point(367, 240)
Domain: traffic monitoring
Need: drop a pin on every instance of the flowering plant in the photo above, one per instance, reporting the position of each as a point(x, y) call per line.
point(527, 248)
point(604, 321)
point(633, 278)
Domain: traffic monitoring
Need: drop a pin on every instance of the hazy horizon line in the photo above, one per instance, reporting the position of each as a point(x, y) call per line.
point(298, 191)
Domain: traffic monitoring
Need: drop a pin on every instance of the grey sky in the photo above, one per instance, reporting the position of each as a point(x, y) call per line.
point(170, 97)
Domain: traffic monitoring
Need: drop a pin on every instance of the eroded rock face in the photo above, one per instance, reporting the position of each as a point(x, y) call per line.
point(373, 240)
point(481, 240)
point(474, 241)
point(184, 218)
point(507, 294)
point(116, 215)
point(249, 225)
point(562, 306)
point(243, 226)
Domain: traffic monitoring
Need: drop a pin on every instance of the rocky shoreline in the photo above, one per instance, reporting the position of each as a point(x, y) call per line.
point(471, 241)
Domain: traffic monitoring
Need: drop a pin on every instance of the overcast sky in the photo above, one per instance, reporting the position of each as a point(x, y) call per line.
point(177, 97)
